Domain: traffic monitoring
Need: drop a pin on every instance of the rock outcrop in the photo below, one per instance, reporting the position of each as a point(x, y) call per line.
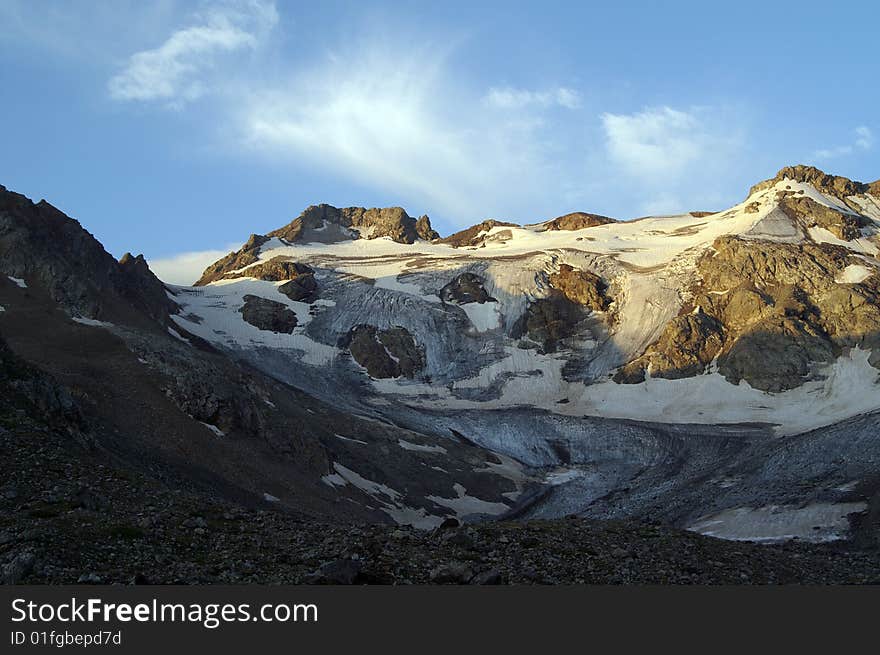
point(140, 286)
point(685, 348)
point(549, 321)
point(577, 221)
point(477, 235)
point(327, 224)
point(833, 185)
point(465, 288)
point(245, 256)
point(302, 288)
point(810, 213)
point(269, 315)
point(581, 287)
point(770, 313)
point(388, 353)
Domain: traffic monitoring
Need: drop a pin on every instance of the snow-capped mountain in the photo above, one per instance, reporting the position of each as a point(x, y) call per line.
point(713, 371)
point(763, 313)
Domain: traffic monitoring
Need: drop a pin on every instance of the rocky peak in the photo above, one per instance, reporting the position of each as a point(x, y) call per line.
point(141, 286)
point(40, 244)
point(327, 224)
point(833, 185)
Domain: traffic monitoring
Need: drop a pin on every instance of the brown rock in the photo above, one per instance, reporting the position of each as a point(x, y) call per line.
point(474, 235)
point(686, 347)
point(246, 255)
point(577, 221)
point(771, 313)
point(549, 321)
point(386, 353)
point(834, 185)
point(581, 287)
point(810, 213)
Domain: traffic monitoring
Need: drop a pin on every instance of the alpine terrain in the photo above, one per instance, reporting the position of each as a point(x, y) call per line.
point(353, 397)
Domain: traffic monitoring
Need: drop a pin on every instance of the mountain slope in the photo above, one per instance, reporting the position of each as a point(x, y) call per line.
point(170, 404)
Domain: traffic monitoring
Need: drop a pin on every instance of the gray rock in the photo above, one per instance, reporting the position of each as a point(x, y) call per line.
point(337, 572)
point(20, 566)
point(269, 315)
point(452, 573)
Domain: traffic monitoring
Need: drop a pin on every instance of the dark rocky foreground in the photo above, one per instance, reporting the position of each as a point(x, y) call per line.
point(69, 515)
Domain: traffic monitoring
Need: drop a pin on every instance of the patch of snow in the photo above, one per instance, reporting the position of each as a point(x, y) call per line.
point(848, 387)
point(819, 522)
point(483, 316)
point(174, 333)
point(339, 436)
point(861, 245)
point(217, 304)
point(214, 429)
point(334, 480)
point(367, 486)
point(2, 309)
point(562, 475)
point(464, 505)
point(91, 322)
point(386, 496)
point(269, 498)
point(853, 274)
point(407, 445)
point(20, 282)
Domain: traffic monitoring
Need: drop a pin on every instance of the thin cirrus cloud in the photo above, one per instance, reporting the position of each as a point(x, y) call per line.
point(863, 140)
point(187, 267)
point(179, 70)
point(677, 158)
point(400, 121)
point(511, 98)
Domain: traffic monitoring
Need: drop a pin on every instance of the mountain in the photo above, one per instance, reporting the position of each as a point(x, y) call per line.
point(655, 320)
point(760, 320)
point(710, 371)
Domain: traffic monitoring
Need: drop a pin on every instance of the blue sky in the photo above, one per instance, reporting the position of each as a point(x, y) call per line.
point(178, 128)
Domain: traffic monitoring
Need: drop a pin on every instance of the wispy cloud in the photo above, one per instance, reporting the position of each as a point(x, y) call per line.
point(395, 118)
point(675, 156)
point(657, 142)
point(185, 268)
point(863, 140)
point(511, 98)
point(176, 71)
